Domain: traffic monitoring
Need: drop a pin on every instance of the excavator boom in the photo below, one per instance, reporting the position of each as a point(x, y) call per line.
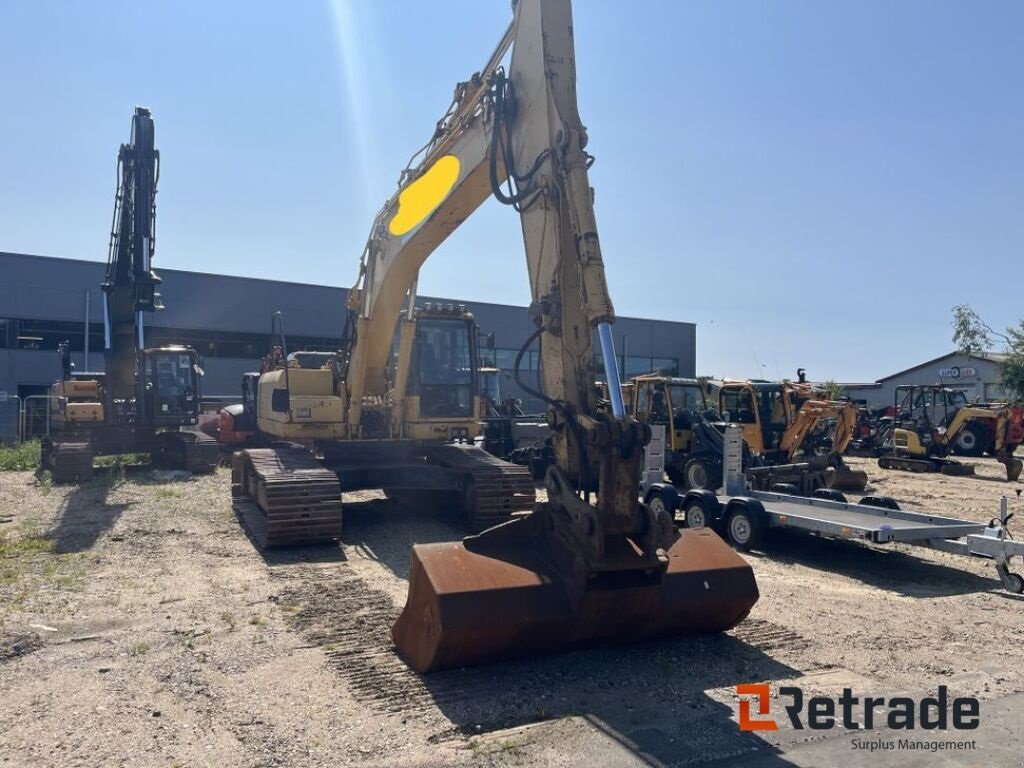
point(574, 571)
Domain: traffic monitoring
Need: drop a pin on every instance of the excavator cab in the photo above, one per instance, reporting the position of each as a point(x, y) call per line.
point(444, 371)
point(170, 394)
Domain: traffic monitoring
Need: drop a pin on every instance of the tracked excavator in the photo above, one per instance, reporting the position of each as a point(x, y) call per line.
point(933, 421)
point(145, 396)
point(591, 563)
point(792, 424)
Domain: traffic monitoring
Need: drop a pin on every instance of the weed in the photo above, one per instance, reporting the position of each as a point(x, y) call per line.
point(229, 618)
point(20, 457)
point(139, 649)
point(256, 620)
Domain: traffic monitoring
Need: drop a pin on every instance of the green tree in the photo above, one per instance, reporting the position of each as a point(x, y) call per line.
point(970, 333)
point(1011, 370)
point(972, 336)
point(834, 390)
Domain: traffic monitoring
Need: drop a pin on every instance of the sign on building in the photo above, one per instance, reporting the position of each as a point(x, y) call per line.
point(957, 372)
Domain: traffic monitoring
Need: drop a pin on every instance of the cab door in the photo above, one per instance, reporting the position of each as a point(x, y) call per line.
point(736, 404)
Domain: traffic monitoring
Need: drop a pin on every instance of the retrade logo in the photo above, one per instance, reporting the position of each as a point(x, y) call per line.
point(762, 694)
point(938, 712)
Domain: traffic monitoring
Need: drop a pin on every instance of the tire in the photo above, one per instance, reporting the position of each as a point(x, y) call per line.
point(744, 529)
point(663, 500)
point(1015, 583)
point(829, 495)
point(695, 516)
point(702, 475)
point(885, 502)
point(787, 488)
point(972, 440)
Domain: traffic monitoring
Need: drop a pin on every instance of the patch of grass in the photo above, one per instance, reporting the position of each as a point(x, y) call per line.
point(167, 493)
point(139, 649)
point(229, 618)
point(19, 458)
point(30, 542)
point(256, 620)
point(121, 459)
point(44, 481)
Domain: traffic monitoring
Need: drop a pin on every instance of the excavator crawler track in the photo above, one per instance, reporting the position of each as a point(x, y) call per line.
point(945, 466)
point(68, 462)
point(190, 451)
point(285, 497)
point(493, 491)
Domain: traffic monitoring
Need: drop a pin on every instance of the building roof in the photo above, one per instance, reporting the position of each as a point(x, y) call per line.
point(994, 357)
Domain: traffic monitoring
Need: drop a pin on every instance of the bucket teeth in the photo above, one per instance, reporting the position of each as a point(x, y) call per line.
point(475, 607)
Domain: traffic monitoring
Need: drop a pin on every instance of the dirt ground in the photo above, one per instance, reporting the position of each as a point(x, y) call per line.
point(140, 627)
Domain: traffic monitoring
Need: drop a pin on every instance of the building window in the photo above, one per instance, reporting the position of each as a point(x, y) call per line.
point(48, 334)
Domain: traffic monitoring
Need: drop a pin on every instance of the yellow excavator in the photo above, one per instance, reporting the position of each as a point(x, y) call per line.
point(785, 423)
point(793, 423)
point(579, 568)
point(932, 421)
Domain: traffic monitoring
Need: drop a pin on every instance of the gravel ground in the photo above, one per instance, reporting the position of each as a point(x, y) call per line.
point(139, 627)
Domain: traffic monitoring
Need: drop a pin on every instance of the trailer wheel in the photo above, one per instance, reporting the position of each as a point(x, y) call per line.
point(1015, 583)
point(663, 499)
point(744, 528)
point(695, 516)
point(701, 510)
point(787, 488)
point(829, 495)
point(885, 502)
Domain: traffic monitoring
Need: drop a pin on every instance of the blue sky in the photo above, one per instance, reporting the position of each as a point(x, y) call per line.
point(814, 184)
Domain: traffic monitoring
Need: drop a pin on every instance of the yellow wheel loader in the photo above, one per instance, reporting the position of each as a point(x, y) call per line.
point(590, 564)
point(931, 421)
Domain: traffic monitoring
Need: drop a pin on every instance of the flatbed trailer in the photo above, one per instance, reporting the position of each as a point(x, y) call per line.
point(745, 516)
point(744, 520)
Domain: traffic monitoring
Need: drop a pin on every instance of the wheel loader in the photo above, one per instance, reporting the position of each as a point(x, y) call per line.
point(145, 396)
point(932, 421)
point(591, 563)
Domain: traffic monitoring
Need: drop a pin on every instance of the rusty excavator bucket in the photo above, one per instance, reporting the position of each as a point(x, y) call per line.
point(520, 589)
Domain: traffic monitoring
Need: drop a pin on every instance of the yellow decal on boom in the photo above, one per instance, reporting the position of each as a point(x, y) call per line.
point(421, 198)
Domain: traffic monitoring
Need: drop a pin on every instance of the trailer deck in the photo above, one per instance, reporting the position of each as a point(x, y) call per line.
point(875, 524)
point(881, 525)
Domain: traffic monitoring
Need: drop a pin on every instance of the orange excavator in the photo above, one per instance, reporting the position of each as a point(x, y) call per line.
point(591, 563)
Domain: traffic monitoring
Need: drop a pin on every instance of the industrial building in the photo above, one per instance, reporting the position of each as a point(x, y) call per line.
point(977, 376)
point(45, 300)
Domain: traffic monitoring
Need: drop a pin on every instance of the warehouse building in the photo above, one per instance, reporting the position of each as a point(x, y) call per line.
point(977, 376)
point(44, 301)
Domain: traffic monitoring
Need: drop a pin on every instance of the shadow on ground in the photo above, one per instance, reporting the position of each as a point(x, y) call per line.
point(886, 569)
point(86, 514)
point(656, 700)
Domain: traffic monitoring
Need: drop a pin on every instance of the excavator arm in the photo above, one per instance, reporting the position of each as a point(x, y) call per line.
point(810, 416)
point(575, 570)
point(129, 288)
point(525, 120)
